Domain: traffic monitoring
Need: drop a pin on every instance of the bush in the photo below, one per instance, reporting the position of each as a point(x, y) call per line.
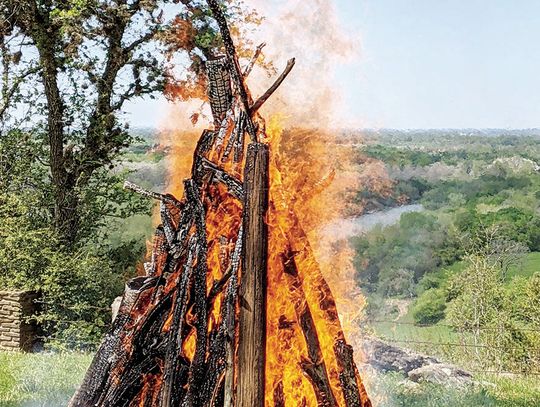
point(397, 283)
point(77, 287)
point(430, 307)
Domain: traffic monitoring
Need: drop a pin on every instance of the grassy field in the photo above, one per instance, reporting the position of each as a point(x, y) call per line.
point(49, 380)
point(390, 390)
point(44, 379)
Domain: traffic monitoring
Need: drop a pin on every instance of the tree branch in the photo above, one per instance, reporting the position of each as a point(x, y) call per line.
point(256, 106)
point(253, 60)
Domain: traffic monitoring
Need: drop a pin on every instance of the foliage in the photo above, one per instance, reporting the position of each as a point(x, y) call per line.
point(392, 260)
point(430, 307)
point(76, 287)
point(67, 70)
point(501, 320)
point(71, 66)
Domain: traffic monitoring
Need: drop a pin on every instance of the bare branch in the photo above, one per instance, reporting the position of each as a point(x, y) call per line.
point(256, 106)
point(253, 60)
point(151, 194)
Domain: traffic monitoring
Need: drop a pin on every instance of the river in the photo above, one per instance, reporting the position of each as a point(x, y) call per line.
point(347, 227)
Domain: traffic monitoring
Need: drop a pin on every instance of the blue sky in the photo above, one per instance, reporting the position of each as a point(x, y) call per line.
point(437, 64)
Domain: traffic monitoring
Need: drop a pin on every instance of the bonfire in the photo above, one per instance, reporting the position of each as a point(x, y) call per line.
point(233, 309)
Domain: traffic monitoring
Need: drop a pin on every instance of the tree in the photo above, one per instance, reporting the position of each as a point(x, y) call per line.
point(482, 306)
point(71, 65)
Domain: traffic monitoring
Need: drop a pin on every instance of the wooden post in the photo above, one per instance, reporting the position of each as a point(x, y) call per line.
point(252, 318)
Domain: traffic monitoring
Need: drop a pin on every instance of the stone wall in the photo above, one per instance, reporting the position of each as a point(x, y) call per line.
point(15, 333)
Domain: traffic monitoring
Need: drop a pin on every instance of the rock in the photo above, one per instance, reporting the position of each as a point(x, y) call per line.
point(390, 358)
point(441, 373)
point(417, 367)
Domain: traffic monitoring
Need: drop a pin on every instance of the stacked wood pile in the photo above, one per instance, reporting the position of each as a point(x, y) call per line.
point(192, 331)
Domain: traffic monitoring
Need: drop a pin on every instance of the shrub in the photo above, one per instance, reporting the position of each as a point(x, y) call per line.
point(77, 287)
point(430, 306)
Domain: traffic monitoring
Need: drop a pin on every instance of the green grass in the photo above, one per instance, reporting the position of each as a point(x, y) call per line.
point(42, 379)
point(49, 380)
point(432, 340)
point(391, 390)
point(530, 266)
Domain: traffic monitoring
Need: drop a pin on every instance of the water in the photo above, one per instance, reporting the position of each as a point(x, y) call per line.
point(347, 227)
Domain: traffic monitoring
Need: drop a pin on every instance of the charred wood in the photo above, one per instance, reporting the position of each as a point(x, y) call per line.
point(353, 389)
point(232, 183)
point(228, 321)
point(236, 73)
point(313, 365)
point(279, 396)
point(171, 391)
point(168, 198)
point(219, 88)
point(198, 365)
point(238, 131)
point(253, 60)
point(110, 350)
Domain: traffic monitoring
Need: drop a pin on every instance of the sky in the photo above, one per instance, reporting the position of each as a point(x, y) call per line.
point(432, 64)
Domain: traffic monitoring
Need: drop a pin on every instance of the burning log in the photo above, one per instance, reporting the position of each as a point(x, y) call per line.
point(252, 315)
point(193, 331)
point(313, 365)
point(236, 73)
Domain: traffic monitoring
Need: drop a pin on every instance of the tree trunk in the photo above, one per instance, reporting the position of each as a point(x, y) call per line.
point(252, 318)
point(65, 199)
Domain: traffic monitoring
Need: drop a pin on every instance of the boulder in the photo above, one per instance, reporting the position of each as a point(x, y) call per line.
point(415, 366)
point(441, 373)
point(390, 358)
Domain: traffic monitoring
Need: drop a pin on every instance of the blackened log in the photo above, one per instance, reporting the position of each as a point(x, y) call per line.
point(219, 88)
point(212, 384)
point(145, 351)
point(228, 320)
point(217, 287)
point(159, 253)
point(99, 370)
point(353, 388)
point(214, 390)
point(204, 145)
point(238, 131)
point(232, 183)
point(236, 73)
point(170, 390)
point(168, 198)
point(198, 365)
point(252, 315)
point(225, 129)
point(167, 223)
point(314, 365)
point(184, 226)
point(279, 396)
